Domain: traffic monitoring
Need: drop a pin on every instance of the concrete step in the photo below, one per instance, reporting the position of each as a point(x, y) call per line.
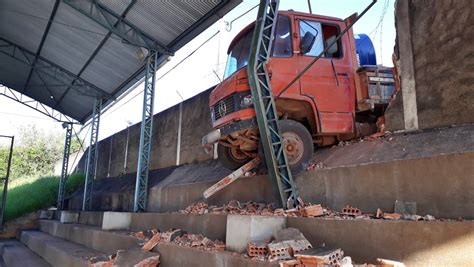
point(412, 242)
point(57, 251)
point(170, 254)
point(16, 254)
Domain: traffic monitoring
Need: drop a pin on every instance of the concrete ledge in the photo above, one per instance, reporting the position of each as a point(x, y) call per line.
point(90, 236)
point(212, 226)
point(438, 243)
point(57, 251)
point(69, 217)
point(91, 217)
point(15, 254)
point(170, 254)
point(116, 220)
point(433, 182)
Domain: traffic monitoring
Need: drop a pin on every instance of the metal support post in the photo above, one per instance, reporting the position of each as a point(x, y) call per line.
point(266, 113)
point(64, 168)
point(5, 182)
point(92, 156)
point(141, 185)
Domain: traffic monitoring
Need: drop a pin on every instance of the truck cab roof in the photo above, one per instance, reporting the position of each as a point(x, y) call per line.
point(290, 13)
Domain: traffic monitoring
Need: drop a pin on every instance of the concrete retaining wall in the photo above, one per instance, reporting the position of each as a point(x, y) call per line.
point(413, 243)
point(437, 243)
point(118, 153)
point(436, 56)
point(435, 183)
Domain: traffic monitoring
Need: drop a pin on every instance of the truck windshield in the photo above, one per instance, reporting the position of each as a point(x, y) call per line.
point(239, 53)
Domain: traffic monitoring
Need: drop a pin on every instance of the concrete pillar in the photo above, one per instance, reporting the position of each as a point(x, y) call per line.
point(242, 229)
point(407, 71)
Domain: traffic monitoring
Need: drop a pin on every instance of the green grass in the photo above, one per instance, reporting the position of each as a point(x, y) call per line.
point(30, 194)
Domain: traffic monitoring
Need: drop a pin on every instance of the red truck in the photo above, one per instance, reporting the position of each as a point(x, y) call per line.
point(337, 99)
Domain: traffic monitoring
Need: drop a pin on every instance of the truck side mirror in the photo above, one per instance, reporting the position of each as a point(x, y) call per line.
point(307, 42)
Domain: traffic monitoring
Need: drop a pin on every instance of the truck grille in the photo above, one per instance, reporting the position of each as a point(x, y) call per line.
point(223, 107)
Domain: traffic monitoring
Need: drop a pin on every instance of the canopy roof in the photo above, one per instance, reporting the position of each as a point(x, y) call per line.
point(66, 53)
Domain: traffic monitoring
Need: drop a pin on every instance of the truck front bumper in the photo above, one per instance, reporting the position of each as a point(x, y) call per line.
point(216, 135)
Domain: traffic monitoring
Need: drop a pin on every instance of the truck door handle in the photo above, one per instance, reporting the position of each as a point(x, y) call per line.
point(345, 74)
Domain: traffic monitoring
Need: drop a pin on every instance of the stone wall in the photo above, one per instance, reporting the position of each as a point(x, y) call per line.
point(436, 58)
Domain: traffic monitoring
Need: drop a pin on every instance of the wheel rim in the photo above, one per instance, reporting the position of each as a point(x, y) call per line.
point(237, 154)
point(294, 147)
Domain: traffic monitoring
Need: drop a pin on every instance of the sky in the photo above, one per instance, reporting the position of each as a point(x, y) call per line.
point(205, 67)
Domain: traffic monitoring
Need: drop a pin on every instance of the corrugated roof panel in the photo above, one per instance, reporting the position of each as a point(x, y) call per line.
point(115, 62)
point(79, 105)
point(13, 73)
point(72, 39)
point(118, 7)
point(168, 19)
point(23, 21)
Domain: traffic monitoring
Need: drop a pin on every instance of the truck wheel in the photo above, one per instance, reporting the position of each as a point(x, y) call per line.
point(298, 144)
point(231, 158)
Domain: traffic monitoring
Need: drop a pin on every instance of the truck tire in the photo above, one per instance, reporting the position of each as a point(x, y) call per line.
point(231, 158)
point(299, 147)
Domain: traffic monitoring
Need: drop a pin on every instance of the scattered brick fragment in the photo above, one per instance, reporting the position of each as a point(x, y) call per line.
point(108, 263)
point(279, 251)
point(152, 242)
point(392, 216)
point(429, 218)
point(348, 210)
point(389, 263)
point(149, 262)
point(346, 262)
point(320, 256)
point(312, 211)
point(290, 263)
point(256, 249)
point(379, 214)
point(171, 235)
point(139, 235)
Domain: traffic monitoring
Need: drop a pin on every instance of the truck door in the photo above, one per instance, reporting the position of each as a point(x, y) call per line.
point(327, 82)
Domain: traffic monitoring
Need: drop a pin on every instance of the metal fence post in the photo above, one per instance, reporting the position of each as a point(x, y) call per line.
point(65, 165)
point(5, 182)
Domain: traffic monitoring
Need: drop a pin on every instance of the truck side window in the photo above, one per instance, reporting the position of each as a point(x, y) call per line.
point(282, 40)
point(312, 29)
point(324, 36)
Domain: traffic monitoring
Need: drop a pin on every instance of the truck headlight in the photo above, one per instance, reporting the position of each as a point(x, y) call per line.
point(246, 101)
point(213, 116)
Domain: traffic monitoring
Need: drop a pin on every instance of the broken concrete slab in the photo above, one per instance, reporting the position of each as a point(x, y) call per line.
point(288, 234)
point(244, 229)
point(69, 216)
point(116, 220)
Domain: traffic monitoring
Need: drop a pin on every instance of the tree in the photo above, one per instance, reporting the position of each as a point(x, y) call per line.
point(35, 153)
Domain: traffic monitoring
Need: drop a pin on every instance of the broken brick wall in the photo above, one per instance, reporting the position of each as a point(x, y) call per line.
point(442, 55)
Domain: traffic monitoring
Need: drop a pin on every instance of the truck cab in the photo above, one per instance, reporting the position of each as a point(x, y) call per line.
point(329, 103)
